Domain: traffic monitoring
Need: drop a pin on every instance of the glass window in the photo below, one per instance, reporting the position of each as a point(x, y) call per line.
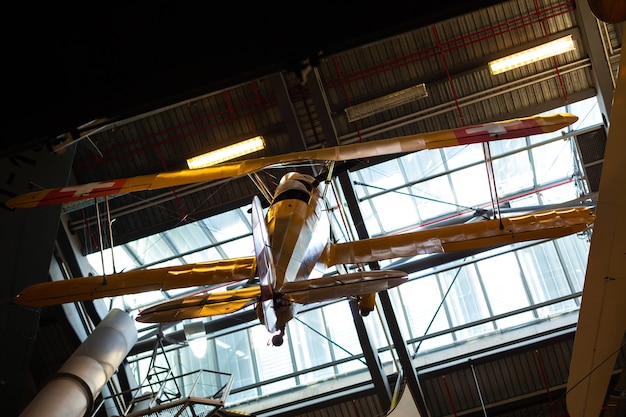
point(271, 362)
point(462, 156)
point(342, 333)
point(433, 198)
point(555, 160)
point(588, 112)
point(465, 301)
point(573, 251)
point(311, 345)
point(546, 277)
point(471, 186)
point(505, 289)
point(421, 299)
point(513, 173)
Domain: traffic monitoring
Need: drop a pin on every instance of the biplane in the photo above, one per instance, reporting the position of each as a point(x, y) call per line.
point(292, 247)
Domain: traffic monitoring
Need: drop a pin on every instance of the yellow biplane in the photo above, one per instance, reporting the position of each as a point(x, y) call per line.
point(292, 251)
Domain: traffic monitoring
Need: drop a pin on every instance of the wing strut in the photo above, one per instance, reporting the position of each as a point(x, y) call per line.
point(491, 178)
point(100, 235)
point(260, 184)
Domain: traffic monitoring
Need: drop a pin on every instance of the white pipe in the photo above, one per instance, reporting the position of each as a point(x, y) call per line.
point(72, 390)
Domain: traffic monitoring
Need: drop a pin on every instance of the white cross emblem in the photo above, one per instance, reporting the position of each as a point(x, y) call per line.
point(84, 189)
point(493, 128)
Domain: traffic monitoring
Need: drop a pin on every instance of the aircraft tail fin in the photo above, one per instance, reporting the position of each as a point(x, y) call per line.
point(344, 285)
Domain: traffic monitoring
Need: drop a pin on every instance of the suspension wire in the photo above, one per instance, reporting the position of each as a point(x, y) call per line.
point(333, 343)
point(416, 196)
point(480, 395)
point(432, 320)
point(104, 275)
point(106, 200)
point(342, 214)
point(491, 177)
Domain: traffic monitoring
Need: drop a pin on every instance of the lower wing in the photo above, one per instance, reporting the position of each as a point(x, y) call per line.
point(342, 285)
point(302, 292)
point(182, 276)
point(484, 234)
point(211, 304)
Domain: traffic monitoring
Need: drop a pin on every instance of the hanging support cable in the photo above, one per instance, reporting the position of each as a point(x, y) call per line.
point(110, 224)
point(480, 395)
point(104, 275)
point(491, 177)
point(432, 320)
point(434, 200)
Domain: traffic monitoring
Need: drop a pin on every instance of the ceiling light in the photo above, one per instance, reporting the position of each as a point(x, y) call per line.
point(368, 108)
point(535, 54)
point(226, 153)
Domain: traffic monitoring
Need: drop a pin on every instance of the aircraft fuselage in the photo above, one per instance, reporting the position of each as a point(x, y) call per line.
point(297, 238)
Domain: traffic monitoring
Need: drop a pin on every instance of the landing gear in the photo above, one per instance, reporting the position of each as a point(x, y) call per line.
point(366, 304)
point(365, 312)
point(278, 339)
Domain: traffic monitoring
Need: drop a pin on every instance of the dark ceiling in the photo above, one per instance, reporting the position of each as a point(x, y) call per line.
point(68, 65)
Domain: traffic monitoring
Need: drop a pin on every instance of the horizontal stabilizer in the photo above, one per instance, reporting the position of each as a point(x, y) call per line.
point(211, 304)
point(343, 285)
point(131, 282)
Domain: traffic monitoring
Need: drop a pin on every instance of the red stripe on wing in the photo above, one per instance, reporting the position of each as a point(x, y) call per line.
point(79, 192)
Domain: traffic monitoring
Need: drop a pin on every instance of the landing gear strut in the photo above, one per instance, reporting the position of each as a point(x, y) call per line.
point(277, 339)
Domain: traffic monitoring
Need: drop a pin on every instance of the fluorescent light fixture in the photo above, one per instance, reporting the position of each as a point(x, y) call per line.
point(535, 54)
point(226, 153)
point(389, 101)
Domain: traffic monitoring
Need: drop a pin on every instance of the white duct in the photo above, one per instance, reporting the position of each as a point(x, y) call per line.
point(72, 390)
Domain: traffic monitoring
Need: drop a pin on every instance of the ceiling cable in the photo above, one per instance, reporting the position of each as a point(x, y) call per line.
point(416, 196)
point(491, 177)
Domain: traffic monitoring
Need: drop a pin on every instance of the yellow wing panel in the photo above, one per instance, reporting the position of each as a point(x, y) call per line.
point(182, 276)
point(452, 137)
point(211, 304)
point(342, 285)
point(484, 234)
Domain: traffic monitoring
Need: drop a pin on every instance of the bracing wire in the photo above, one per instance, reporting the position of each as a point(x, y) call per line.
point(432, 320)
point(491, 177)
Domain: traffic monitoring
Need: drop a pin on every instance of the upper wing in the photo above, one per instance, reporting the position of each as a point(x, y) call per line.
point(90, 288)
point(508, 129)
point(485, 234)
point(602, 316)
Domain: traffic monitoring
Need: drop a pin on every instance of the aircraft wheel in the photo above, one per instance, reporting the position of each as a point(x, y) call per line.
point(277, 340)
